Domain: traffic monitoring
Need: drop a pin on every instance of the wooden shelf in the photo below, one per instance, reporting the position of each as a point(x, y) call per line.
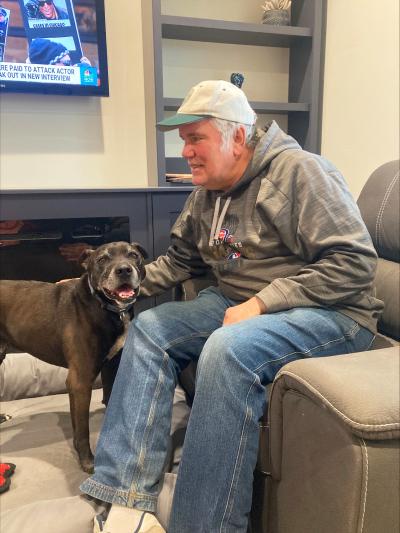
point(305, 41)
point(221, 31)
point(172, 104)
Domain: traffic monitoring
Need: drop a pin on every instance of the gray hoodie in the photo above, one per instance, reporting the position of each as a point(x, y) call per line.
point(288, 232)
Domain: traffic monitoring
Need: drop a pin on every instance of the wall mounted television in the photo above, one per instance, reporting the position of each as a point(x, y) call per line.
point(53, 47)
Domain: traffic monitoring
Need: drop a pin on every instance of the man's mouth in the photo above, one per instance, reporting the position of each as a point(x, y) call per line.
point(194, 167)
point(123, 292)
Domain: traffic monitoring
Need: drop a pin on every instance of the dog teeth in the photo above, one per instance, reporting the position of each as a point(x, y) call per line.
point(125, 293)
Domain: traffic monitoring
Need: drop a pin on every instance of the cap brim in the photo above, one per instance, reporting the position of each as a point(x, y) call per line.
point(177, 120)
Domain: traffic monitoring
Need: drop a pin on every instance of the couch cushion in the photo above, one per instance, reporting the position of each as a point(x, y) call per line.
point(25, 376)
point(44, 494)
point(63, 515)
point(387, 283)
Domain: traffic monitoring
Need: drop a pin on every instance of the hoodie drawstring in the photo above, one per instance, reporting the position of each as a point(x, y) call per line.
point(216, 226)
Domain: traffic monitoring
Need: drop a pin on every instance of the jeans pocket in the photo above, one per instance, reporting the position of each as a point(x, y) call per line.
point(357, 337)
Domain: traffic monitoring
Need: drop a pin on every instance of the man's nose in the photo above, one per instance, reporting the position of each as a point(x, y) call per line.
point(187, 151)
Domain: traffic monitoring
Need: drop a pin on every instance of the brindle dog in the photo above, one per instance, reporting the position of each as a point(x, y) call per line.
point(78, 324)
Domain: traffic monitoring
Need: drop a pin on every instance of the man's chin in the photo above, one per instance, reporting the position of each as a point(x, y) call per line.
point(198, 178)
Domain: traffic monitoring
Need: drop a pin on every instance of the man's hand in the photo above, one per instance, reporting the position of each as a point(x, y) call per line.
point(72, 252)
point(252, 307)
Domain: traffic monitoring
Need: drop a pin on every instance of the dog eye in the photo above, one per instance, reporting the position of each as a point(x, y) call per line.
point(101, 259)
point(133, 254)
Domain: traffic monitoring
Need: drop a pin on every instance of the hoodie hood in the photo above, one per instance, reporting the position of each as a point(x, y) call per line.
point(271, 142)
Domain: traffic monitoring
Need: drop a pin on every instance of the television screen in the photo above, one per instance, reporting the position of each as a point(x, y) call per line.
point(53, 47)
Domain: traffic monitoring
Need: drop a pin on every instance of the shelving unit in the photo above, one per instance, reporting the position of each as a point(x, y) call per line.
point(305, 40)
point(221, 31)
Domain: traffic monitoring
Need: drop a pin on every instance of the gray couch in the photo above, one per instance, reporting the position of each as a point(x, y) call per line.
point(329, 448)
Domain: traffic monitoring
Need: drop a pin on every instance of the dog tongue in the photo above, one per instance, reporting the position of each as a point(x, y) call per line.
point(125, 292)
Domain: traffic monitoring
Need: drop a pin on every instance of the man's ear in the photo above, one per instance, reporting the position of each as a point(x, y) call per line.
point(140, 249)
point(84, 257)
point(239, 140)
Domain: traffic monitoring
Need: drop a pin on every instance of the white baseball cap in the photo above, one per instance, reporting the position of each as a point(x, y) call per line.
point(212, 98)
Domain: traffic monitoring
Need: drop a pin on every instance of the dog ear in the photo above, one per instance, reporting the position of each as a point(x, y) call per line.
point(84, 257)
point(140, 249)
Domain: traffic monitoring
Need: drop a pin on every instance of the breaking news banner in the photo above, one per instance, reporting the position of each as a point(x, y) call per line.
point(4, 20)
point(77, 75)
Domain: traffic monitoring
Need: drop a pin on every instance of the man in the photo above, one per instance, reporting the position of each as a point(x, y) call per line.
point(47, 52)
point(294, 265)
point(45, 9)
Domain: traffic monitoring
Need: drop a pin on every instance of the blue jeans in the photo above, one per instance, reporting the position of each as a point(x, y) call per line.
point(214, 486)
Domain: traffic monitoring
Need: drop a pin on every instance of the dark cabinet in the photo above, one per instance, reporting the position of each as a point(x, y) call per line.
point(150, 214)
point(166, 209)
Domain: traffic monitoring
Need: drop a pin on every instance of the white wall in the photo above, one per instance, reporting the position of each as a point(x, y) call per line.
point(79, 142)
point(76, 142)
point(361, 90)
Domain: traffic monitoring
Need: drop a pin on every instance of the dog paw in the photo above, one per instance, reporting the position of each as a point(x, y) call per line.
point(87, 466)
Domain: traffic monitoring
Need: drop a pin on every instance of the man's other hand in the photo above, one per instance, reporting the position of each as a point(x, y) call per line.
point(252, 307)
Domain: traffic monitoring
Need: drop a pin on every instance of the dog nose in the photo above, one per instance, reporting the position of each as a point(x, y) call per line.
point(124, 270)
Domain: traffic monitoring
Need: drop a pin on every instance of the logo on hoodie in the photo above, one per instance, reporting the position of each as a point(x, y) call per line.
point(225, 245)
point(224, 235)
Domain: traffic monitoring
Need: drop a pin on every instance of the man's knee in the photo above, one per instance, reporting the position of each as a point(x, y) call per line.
point(219, 349)
point(155, 322)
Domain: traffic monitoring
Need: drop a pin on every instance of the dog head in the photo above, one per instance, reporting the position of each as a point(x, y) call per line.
point(115, 271)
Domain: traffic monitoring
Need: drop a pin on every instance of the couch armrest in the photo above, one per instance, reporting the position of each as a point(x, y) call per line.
point(360, 390)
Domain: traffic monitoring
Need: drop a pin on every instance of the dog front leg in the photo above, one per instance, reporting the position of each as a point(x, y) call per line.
point(80, 393)
point(108, 373)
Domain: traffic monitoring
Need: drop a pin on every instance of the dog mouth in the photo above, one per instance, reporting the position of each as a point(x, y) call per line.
point(123, 293)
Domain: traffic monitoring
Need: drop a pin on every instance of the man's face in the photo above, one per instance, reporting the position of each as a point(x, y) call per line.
point(211, 166)
point(47, 9)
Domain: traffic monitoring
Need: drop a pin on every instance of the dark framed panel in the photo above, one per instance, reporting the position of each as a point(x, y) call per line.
point(166, 209)
point(151, 213)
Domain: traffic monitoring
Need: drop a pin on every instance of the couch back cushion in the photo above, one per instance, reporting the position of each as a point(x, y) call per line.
point(379, 205)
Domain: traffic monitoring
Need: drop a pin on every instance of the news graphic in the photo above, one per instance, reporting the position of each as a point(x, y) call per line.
point(47, 14)
point(51, 42)
point(49, 74)
point(4, 19)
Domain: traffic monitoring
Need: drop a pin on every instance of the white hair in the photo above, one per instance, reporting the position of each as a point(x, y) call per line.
point(228, 129)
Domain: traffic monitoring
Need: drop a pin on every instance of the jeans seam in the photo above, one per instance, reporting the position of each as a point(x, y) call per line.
point(305, 353)
point(180, 340)
point(370, 344)
point(243, 440)
point(150, 420)
point(353, 331)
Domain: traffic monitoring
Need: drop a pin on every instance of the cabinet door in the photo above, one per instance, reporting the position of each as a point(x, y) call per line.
point(166, 209)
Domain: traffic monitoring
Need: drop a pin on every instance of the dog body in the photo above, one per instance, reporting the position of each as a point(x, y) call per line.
point(78, 324)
